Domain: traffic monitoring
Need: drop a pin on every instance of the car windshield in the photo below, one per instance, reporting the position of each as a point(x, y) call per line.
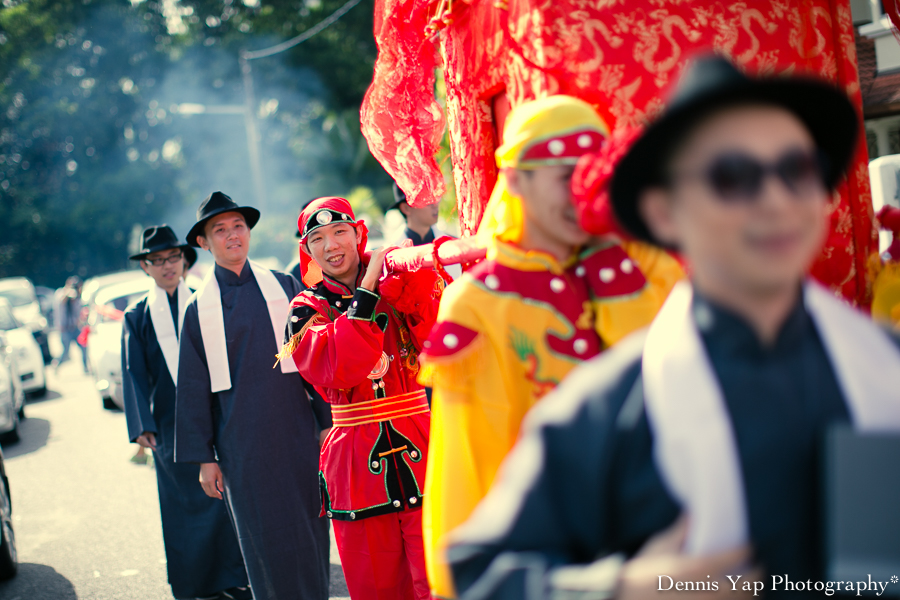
point(18, 296)
point(7, 321)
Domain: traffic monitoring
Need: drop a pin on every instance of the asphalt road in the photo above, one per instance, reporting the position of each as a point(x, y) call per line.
point(86, 518)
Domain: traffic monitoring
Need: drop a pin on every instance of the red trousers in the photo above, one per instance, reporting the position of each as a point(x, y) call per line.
point(383, 557)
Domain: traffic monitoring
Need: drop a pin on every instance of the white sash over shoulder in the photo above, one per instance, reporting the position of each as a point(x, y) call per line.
point(695, 448)
point(212, 323)
point(166, 330)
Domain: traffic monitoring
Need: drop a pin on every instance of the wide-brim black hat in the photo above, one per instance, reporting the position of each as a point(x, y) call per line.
point(399, 198)
point(711, 83)
point(159, 238)
point(216, 204)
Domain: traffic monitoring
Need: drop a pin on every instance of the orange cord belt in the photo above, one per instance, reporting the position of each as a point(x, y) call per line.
point(382, 409)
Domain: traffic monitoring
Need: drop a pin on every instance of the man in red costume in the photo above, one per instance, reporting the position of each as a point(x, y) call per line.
point(356, 336)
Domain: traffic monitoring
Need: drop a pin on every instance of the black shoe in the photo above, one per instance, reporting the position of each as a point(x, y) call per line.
point(238, 593)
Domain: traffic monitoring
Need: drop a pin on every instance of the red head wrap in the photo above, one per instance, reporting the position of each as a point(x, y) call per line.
point(319, 213)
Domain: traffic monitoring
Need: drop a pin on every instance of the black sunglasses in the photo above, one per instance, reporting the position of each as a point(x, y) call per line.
point(158, 262)
point(738, 177)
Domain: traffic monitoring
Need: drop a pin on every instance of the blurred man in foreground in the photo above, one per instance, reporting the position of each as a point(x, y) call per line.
point(202, 553)
point(356, 336)
point(546, 298)
point(715, 413)
point(251, 428)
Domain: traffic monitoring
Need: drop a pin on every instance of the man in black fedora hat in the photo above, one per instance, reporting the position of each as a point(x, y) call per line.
point(252, 428)
point(202, 554)
point(420, 226)
point(688, 452)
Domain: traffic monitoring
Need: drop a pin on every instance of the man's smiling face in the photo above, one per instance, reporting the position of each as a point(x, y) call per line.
point(227, 237)
point(334, 248)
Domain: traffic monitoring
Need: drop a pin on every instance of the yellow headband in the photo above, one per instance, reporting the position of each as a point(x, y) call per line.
point(549, 131)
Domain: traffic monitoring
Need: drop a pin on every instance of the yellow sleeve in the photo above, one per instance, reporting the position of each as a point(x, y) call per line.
point(886, 295)
point(618, 317)
point(469, 428)
point(452, 488)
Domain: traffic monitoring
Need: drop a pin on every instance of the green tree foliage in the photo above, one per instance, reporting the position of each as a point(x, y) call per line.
point(74, 76)
point(94, 146)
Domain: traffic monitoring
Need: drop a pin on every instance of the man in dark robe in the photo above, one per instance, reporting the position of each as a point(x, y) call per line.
point(252, 428)
point(202, 554)
point(420, 227)
point(689, 452)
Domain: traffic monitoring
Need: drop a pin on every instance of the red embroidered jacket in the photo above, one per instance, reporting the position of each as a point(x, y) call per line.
point(360, 350)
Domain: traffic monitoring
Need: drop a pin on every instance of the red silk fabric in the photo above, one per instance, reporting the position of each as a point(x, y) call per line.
point(400, 117)
point(612, 53)
point(892, 9)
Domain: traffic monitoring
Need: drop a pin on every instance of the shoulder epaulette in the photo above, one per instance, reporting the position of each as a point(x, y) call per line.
point(612, 273)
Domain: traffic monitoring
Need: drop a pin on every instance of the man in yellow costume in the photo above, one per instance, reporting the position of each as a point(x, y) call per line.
point(547, 297)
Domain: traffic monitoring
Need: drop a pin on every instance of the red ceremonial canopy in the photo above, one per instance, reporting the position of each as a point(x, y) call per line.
point(620, 55)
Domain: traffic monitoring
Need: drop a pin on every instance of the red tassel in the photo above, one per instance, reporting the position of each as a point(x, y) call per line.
point(892, 9)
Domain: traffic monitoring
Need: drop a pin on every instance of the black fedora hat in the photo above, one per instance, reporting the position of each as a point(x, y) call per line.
point(297, 233)
point(216, 204)
point(711, 83)
point(399, 198)
point(159, 238)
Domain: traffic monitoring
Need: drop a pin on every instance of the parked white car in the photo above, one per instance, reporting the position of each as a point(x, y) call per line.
point(29, 358)
point(12, 396)
point(104, 346)
point(26, 307)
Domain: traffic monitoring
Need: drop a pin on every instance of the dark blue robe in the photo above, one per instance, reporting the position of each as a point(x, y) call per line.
point(202, 552)
point(264, 434)
point(583, 482)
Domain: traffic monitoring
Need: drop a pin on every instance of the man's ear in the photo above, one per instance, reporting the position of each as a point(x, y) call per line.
point(403, 207)
point(513, 183)
point(359, 236)
point(143, 266)
point(656, 207)
point(304, 248)
point(202, 241)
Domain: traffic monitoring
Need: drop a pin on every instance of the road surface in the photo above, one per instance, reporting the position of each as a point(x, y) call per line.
point(86, 518)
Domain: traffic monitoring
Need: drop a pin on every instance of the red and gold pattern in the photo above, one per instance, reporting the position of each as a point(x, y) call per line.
point(616, 53)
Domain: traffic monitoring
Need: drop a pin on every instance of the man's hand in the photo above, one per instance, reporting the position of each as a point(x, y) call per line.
point(663, 557)
point(211, 480)
point(374, 269)
point(322, 435)
point(147, 440)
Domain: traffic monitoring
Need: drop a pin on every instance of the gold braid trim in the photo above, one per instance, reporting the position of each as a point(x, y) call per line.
point(288, 349)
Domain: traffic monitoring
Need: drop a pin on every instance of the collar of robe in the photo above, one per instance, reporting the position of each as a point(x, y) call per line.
point(511, 255)
point(694, 444)
point(212, 323)
point(167, 331)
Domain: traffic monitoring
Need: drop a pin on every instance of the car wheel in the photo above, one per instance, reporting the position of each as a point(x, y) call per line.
point(9, 558)
point(108, 403)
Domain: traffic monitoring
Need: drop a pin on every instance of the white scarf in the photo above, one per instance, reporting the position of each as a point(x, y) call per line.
point(212, 323)
point(694, 444)
point(165, 328)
